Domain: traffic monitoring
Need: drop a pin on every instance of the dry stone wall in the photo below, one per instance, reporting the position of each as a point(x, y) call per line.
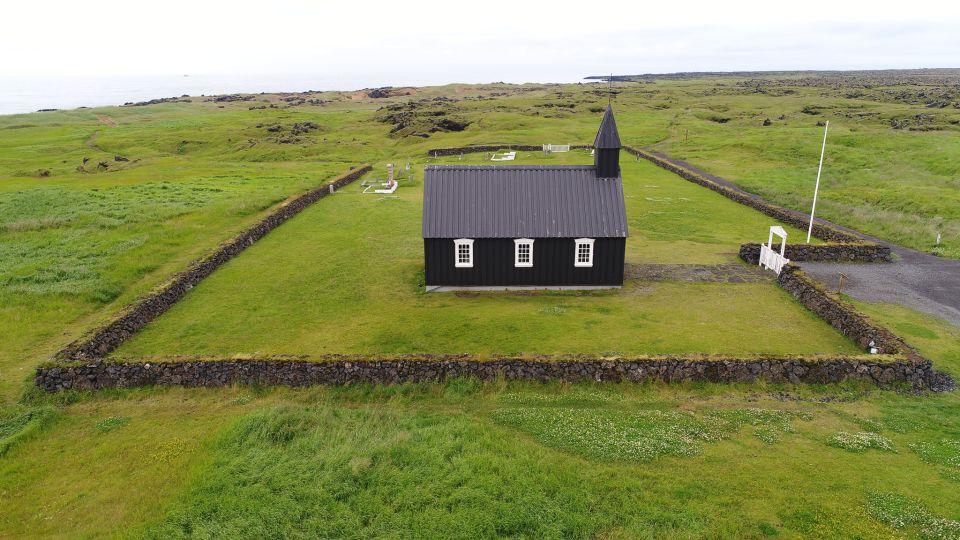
point(913, 372)
point(865, 253)
point(456, 151)
point(108, 337)
point(841, 315)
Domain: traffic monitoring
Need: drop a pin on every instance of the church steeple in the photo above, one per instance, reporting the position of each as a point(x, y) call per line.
point(607, 147)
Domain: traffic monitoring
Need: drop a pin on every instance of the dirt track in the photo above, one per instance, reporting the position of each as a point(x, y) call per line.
point(917, 280)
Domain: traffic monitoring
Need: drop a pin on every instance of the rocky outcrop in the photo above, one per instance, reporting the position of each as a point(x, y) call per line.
point(108, 337)
point(156, 101)
point(884, 373)
point(866, 253)
point(232, 97)
point(379, 93)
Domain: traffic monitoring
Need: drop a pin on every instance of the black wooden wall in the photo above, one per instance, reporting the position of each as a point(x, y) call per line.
point(552, 263)
point(607, 162)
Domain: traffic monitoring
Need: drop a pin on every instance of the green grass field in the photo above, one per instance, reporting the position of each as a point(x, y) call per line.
point(351, 283)
point(463, 459)
point(897, 184)
point(469, 460)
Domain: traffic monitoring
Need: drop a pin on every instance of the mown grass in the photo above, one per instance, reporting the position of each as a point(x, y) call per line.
point(350, 284)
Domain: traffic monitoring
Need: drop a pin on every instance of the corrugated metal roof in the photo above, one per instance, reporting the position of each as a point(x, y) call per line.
point(533, 201)
point(607, 135)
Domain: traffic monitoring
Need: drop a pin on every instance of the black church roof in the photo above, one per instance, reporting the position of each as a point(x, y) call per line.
point(532, 201)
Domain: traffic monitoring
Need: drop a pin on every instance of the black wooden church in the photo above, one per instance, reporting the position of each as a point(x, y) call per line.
point(527, 226)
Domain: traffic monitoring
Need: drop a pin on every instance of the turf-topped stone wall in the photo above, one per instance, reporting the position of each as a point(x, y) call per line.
point(821, 231)
point(841, 315)
point(884, 372)
point(81, 366)
point(866, 253)
point(111, 335)
point(456, 151)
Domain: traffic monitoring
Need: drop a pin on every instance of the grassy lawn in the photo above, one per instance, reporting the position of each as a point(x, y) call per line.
point(462, 459)
point(472, 460)
point(897, 184)
point(344, 276)
point(78, 244)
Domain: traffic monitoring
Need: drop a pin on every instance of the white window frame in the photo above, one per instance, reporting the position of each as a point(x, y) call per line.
point(516, 252)
point(576, 252)
point(456, 252)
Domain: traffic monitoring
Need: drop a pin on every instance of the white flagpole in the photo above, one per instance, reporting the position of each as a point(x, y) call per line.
point(817, 188)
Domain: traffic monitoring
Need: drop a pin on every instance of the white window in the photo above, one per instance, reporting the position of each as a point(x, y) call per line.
point(463, 253)
point(523, 252)
point(583, 256)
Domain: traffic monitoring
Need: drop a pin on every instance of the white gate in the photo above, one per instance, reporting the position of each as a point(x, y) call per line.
point(549, 148)
point(769, 258)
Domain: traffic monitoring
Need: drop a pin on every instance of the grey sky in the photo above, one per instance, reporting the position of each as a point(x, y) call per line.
point(435, 42)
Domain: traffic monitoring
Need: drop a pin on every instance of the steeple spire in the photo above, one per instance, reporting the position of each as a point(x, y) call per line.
point(607, 135)
point(607, 147)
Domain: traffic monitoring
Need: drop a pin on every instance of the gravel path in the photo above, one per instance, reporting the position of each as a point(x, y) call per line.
point(917, 280)
point(717, 273)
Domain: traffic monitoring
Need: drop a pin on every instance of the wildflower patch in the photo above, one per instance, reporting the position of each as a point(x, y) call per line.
point(605, 434)
point(870, 425)
point(861, 441)
point(768, 424)
point(943, 452)
point(902, 512)
point(565, 398)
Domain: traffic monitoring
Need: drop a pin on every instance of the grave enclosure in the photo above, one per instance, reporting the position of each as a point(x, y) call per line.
point(82, 365)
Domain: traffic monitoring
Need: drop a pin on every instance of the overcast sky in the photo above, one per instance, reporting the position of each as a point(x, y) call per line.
point(439, 41)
